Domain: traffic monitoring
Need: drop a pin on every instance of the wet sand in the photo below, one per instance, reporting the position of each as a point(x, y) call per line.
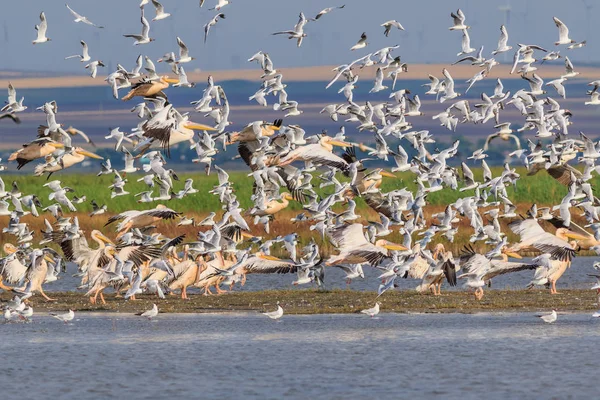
point(312, 301)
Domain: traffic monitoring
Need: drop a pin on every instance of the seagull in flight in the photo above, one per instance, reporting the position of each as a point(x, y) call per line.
point(41, 30)
point(563, 33)
point(388, 25)
point(85, 56)
point(81, 18)
point(362, 42)
point(326, 11)
point(210, 23)
point(160, 11)
point(144, 37)
point(297, 32)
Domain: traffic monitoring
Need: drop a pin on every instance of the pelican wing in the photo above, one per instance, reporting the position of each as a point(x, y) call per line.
point(348, 237)
point(498, 267)
point(257, 265)
point(138, 254)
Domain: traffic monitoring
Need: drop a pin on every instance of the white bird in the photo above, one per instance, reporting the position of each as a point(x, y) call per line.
point(211, 23)
point(361, 44)
point(388, 25)
point(275, 314)
point(458, 20)
point(150, 313)
point(465, 44)
point(144, 37)
point(563, 33)
point(93, 67)
point(81, 18)
point(85, 56)
point(184, 53)
point(326, 11)
point(549, 318)
point(379, 86)
point(160, 11)
point(371, 312)
point(502, 42)
point(64, 317)
point(41, 30)
point(220, 4)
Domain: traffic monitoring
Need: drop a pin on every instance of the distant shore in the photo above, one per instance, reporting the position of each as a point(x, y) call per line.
point(312, 301)
point(302, 74)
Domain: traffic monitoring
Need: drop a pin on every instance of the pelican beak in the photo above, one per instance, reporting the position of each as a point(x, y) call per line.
point(388, 174)
point(48, 259)
point(288, 197)
point(340, 143)
point(199, 127)
point(90, 154)
point(59, 145)
point(576, 236)
point(247, 235)
point(273, 127)
point(267, 257)
point(171, 80)
point(105, 239)
point(513, 255)
point(393, 246)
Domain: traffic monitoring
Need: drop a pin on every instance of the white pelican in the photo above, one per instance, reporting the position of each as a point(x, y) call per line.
point(355, 249)
point(12, 270)
point(138, 219)
point(64, 161)
point(148, 88)
point(39, 148)
point(533, 235)
point(319, 153)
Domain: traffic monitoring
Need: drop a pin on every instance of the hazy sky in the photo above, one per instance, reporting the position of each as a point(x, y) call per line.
point(249, 24)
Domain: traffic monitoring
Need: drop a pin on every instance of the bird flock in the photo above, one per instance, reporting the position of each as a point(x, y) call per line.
point(288, 165)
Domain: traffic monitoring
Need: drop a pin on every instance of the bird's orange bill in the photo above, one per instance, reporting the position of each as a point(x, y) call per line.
point(199, 127)
point(388, 174)
point(171, 80)
point(48, 259)
point(268, 257)
point(513, 255)
point(59, 145)
point(576, 236)
point(104, 239)
point(393, 246)
point(340, 143)
point(90, 154)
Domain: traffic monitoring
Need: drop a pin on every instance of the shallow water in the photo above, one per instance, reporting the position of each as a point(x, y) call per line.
point(320, 356)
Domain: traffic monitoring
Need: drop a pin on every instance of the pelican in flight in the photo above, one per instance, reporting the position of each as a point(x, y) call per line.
point(41, 30)
point(355, 249)
point(147, 88)
point(254, 131)
point(138, 219)
point(64, 161)
point(533, 235)
point(38, 148)
point(320, 153)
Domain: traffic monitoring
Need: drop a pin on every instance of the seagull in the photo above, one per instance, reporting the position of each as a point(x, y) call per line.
point(362, 43)
point(144, 37)
point(563, 33)
point(372, 311)
point(81, 18)
point(64, 317)
point(297, 32)
point(326, 11)
point(85, 56)
point(388, 25)
point(275, 314)
point(160, 11)
point(210, 23)
point(184, 54)
point(12, 105)
point(502, 47)
point(93, 67)
point(549, 318)
point(577, 45)
point(558, 85)
point(150, 313)
point(41, 30)
point(466, 44)
point(459, 21)
point(379, 86)
point(220, 4)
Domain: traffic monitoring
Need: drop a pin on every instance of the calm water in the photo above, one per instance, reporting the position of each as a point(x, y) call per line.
point(576, 277)
point(328, 357)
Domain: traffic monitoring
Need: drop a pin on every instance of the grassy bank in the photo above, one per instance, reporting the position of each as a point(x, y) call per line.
point(313, 301)
point(540, 189)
